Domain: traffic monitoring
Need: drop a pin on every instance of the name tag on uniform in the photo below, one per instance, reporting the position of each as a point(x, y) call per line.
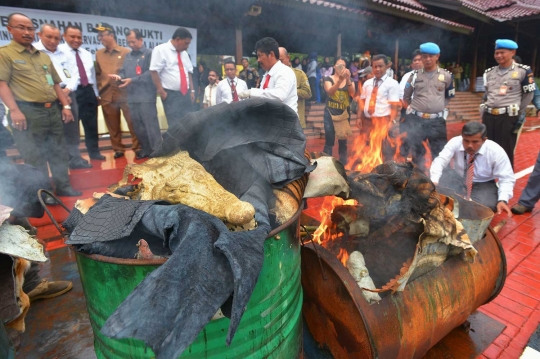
point(441, 77)
point(49, 79)
point(66, 72)
point(502, 90)
point(19, 61)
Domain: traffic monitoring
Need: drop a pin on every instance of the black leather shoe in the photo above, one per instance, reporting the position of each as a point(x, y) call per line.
point(140, 155)
point(118, 154)
point(97, 156)
point(79, 164)
point(68, 192)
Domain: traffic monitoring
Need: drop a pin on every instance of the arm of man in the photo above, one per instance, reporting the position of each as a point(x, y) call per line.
point(157, 63)
point(408, 90)
point(502, 170)
point(402, 84)
point(219, 95)
point(191, 87)
point(302, 87)
point(18, 120)
point(394, 101)
point(444, 158)
point(282, 88)
point(527, 87)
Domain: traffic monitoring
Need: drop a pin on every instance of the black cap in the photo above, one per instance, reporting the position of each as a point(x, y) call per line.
point(103, 26)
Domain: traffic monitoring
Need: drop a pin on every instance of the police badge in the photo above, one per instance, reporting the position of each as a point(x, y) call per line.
point(515, 75)
point(441, 77)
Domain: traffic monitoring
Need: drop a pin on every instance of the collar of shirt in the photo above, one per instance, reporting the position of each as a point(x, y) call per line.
point(233, 81)
point(384, 77)
point(39, 46)
point(438, 70)
point(274, 69)
point(115, 48)
point(171, 47)
point(20, 48)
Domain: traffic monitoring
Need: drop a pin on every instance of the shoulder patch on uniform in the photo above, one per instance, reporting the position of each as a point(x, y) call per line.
point(526, 67)
point(491, 68)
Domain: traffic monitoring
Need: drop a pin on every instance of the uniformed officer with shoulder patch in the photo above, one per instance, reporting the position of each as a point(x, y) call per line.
point(29, 86)
point(426, 94)
point(509, 89)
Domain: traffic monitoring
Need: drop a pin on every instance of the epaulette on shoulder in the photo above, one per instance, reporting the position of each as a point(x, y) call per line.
point(447, 71)
point(526, 67)
point(491, 68)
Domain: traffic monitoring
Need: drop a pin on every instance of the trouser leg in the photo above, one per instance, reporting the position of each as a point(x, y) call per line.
point(87, 106)
point(111, 112)
point(499, 129)
point(531, 193)
point(342, 150)
point(151, 123)
point(436, 129)
point(54, 146)
point(413, 126)
point(71, 132)
point(135, 146)
point(312, 84)
point(137, 121)
point(176, 106)
point(485, 193)
point(31, 278)
point(329, 133)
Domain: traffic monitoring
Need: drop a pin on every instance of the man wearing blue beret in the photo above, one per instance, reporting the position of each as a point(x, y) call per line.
point(426, 95)
point(509, 88)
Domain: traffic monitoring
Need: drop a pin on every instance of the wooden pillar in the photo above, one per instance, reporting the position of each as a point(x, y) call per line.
point(396, 57)
point(239, 50)
point(533, 62)
point(517, 32)
point(338, 49)
point(475, 63)
point(459, 49)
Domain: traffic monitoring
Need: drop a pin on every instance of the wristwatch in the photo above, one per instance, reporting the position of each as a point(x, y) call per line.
point(192, 90)
point(67, 107)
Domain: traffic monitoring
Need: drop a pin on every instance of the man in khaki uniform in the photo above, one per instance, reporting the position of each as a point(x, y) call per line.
point(29, 86)
point(302, 86)
point(109, 61)
point(509, 90)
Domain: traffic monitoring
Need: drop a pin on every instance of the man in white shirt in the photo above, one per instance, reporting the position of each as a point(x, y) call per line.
point(66, 68)
point(416, 65)
point(478, 162)
point(172, 70)
point(87, 93)
point(228, 89)
point(379, 104)
point(210, 90)
point(279, 81)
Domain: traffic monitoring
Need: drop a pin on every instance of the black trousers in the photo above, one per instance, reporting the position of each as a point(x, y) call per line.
point(312, 86)
point(71, 132)
point(531, 193)
point(500, 130)
point(485, 193)
point(419, 130)
point(87, 105)
point(146, 125)
point(176, 106)
point(330, 138)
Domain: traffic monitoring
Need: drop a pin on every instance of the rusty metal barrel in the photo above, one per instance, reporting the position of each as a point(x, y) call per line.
point(404, 324)
point(271, 326)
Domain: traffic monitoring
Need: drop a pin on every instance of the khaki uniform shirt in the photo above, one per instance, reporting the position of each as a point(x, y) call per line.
point(430, 90)
point(110, 62)
point(508, 87)
point(303, 91)
point(25, 73)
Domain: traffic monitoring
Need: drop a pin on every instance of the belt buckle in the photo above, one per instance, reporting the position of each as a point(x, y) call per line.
point(426, 115)
point(48, 105)
point(495, 111)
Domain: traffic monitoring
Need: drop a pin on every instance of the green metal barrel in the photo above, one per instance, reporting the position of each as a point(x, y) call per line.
point(270, 328)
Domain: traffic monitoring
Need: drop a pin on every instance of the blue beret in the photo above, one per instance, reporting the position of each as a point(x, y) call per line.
point(505, 44)
point(430, 48)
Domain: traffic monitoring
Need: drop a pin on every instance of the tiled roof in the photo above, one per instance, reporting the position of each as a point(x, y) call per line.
point(504, 10)
point(412, 3)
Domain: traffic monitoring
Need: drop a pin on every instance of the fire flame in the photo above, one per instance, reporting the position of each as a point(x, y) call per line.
point(343, 256)
point(327, 229)
point(367, 154)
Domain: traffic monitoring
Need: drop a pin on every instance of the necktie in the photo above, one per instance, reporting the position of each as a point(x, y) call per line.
point(183, 80)
point(373, 97)
point(469, 175)
point(80, 67)
point(266, 82)
point(234, 94)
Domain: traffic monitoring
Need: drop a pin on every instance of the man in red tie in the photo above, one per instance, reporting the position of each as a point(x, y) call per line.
point(478, 162)
point(228, 89)
point(171, 71)
point(279, 81)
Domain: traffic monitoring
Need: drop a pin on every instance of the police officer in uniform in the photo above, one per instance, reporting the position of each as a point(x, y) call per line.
point(509, 89)
point(29, 86)
point(426, 94)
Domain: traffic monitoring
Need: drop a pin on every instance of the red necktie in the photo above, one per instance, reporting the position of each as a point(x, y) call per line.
point(266, 82)
point(183, 80)
point(470, 175)
point(373, 97)
point(80, 67)
point(234, 93)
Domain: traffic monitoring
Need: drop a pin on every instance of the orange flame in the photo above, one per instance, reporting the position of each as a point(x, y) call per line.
point(343, 256)
point(428, 157)
point(327, 229)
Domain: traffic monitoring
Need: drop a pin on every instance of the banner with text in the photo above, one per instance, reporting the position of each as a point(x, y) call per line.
point(153, 33)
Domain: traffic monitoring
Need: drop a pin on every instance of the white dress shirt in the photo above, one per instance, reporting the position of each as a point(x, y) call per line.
point(165, 62)
point(88, 63)
point(224, 89)
point(64, 64)
point(491, 163)
point(403, 82)
point(282, 86)
point(210, 95)
point(387, 93)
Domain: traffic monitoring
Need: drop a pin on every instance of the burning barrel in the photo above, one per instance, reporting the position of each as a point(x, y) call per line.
point(271, 326)
point(403, 324)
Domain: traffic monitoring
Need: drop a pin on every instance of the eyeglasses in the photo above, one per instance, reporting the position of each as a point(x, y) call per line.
point(24, 28)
